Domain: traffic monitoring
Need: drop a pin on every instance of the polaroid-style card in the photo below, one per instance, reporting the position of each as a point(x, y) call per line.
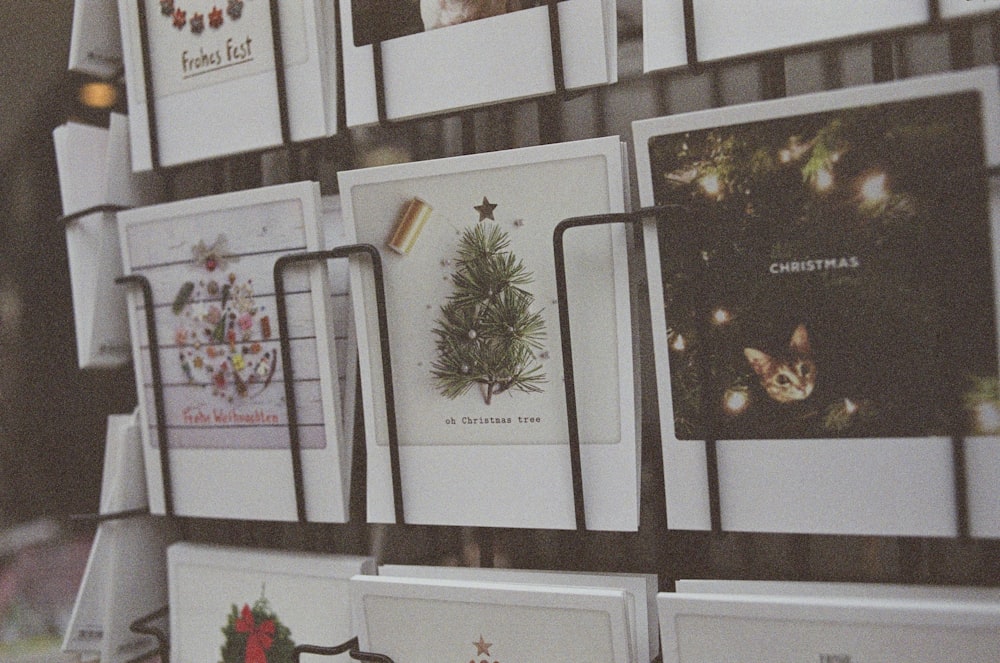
point(410, 619)
point(212, 70)
point(959, 8)
point(727, 628)
point(125, 577)
point(95, 46)
point(236, 604)
point(731, 29)
point(823, 304)
point(466, 248)
point(81, 162)
point(640, 592)
point(210, 265)
point(442, 56)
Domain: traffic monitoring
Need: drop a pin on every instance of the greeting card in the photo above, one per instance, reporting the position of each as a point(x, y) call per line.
point(474, 337)
point(125, 576)
point(235, 605)
point(961, 8)
point(839, 589)
point(442, 56)
point(640, 592)
point(93, 165)
point(703, 628)
point(823, 304)
point(95, 46)
point(210, 264)
point(410, 619)
point(732, 29)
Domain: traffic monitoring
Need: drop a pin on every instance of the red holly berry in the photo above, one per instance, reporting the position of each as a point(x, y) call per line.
point(180, 18)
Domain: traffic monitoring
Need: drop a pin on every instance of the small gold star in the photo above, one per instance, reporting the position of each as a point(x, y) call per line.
point(482, 647)
point(485, 210)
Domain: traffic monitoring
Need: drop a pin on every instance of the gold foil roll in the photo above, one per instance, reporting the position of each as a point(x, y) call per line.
point(409, 226)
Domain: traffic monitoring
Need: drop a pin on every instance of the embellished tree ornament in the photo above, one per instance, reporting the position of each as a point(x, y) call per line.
point(256, 635)
point(487, 334)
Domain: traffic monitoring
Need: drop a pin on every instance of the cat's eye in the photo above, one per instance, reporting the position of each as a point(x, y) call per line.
point(783, 380)
point(804, 370)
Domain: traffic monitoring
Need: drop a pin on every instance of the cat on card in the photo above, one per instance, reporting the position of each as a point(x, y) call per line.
point(789, 376)
point(442, 13)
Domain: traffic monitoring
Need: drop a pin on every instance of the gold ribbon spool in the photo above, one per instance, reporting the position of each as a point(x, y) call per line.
point(409, 226)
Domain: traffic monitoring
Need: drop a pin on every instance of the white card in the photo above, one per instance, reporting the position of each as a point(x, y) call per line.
point(640, 592)
point(853, 457)
point(125, 577)
point(468, 64)
point(838, 589)
point(960, 8)
point(95, 46)
point(410, 619)
point(221, 600)
point(734, 28)
point(81, 160)
point(720, 628)
point(503, 436)
point(210, 263)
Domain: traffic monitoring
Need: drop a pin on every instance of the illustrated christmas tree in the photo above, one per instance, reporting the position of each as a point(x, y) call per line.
point(487, 334)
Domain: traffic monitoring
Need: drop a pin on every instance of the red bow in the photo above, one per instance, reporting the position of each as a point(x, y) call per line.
point(261, 636)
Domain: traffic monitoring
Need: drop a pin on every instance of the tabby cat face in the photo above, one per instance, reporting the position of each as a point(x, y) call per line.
point(788, 377)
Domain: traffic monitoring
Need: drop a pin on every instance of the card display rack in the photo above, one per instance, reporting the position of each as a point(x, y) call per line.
point(773, 85)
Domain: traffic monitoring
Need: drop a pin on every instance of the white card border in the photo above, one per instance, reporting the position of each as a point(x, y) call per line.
point(473, 55)
point(902, 487)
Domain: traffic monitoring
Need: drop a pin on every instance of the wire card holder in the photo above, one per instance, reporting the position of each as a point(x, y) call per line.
point(661, 216)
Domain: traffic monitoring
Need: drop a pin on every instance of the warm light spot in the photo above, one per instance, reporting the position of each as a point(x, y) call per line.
point(711, 185)
point(678, 344)
point(850, 407)
point(785, 155)
point(98, 94)
point(824, 179)
point(873, 189)
point(736, 400)
point(721, 316)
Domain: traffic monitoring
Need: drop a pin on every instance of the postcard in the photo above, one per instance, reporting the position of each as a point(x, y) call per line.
point(459, 56)
point(474, 337)
point(839, 589)
point(239, 604)
point(733, 29)
point(210, 265)
point(823, 304)
point(726, 628)
point(409, 619)
point(95, 47)
point(125, 577)
point(960, 8)
point(640, 592)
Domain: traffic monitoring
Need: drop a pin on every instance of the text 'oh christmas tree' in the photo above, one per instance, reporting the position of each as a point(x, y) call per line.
point(487, 334)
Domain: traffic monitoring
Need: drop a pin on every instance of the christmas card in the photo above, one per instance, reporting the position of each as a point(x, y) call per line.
point(823, 304)
point(732, 29)
point(210, 265)
point(93, 166)
point(234, 605)
point(95, 46)
point(212, 73)
point(455, 54)
point(416, 619)
point(727, 628)
point(474, 337)
point(640, 593)
point(125, 576)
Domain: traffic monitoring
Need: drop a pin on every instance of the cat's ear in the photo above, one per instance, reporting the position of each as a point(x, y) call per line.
point(800, 340)
point(759, 361)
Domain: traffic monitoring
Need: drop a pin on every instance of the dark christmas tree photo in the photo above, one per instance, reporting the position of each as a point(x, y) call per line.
point(487, 334)
point(830, 275)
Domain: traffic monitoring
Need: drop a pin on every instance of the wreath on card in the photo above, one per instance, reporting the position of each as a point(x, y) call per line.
point(220, 328)
point(256, 635)
point(216, 17)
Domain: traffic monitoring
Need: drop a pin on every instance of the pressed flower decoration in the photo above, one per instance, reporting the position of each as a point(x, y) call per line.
point(256, 635)
point(221, 329)
point(179, 18)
